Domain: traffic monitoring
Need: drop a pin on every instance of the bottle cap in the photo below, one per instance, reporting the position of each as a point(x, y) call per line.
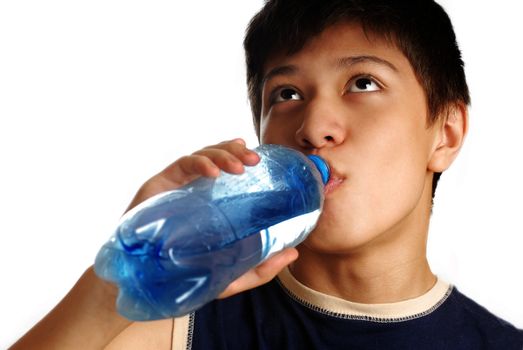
point(322, 166)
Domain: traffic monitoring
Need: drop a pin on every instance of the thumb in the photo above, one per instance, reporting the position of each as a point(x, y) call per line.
point(262, 273)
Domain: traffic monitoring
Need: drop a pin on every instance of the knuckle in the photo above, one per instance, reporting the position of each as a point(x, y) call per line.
point(184, 159)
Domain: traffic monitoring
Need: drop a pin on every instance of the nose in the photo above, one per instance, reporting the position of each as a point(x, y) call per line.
point(322, 125)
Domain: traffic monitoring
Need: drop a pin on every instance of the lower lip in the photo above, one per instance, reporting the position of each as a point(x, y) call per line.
point(332, 184)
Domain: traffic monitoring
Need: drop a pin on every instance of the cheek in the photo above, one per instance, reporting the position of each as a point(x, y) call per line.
point(266, 130)
point(277, 130)
point(401, 153)
point(395, 132)
point(393, 161)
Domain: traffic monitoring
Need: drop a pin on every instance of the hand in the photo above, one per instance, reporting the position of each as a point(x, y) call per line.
point(262, 273)
point(229, 156)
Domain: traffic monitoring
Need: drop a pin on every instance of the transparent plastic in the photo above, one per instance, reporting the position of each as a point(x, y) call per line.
point(180, 249)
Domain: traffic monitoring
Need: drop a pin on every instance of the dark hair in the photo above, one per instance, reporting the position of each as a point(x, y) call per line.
point(419, 28)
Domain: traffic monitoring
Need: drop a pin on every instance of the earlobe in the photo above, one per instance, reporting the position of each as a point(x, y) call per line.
point(450, 138)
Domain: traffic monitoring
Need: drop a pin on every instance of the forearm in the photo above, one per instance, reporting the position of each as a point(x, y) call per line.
point(85, 318)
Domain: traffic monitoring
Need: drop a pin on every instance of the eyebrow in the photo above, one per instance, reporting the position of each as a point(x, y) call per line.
point(281, 70)
point(345, 62)
point(341, 63)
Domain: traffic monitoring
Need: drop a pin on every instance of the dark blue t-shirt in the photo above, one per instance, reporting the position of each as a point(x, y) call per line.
point(286, 315)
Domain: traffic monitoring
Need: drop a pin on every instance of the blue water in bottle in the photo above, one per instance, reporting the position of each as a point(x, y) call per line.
point(180, 249)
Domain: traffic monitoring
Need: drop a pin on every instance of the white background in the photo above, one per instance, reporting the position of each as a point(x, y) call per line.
point(97, 96)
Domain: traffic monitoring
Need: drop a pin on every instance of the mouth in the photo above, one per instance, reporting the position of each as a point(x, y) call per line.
point(333, 183)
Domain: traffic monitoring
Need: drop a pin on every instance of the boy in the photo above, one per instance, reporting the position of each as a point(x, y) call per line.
point(377, 89)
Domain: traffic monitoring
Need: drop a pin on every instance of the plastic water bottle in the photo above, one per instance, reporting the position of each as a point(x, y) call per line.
point(180, 249)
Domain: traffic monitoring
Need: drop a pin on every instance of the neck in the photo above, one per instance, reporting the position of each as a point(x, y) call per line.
point(369, 278)
point(391, 268)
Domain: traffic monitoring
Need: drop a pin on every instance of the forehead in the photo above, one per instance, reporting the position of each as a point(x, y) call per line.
point(345, 39)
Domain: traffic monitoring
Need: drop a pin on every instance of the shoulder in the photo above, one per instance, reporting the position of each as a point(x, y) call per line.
point(476, 318)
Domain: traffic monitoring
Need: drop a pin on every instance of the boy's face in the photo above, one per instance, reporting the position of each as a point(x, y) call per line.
point(355, 100)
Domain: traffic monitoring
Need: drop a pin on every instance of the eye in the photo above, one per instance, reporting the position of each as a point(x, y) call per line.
point(363, 84)
point(285, 94)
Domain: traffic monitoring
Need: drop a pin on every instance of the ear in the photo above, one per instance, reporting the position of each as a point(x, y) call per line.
point(450, 135)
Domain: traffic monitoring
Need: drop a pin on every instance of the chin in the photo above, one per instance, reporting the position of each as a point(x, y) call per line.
point(335, 234)
point(332, 242)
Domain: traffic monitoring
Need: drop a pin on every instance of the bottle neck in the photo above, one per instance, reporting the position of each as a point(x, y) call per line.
point(322, 167)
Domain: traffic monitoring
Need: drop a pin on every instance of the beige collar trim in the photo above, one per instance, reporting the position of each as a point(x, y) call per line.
point(341, 308)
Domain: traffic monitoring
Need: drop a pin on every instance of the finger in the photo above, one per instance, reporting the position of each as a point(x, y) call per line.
point(223, 158)
point(238, 148)
point(238, 140)
point(205, 162)
point(187, 168)
point(262, 273)
point(229, 156)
